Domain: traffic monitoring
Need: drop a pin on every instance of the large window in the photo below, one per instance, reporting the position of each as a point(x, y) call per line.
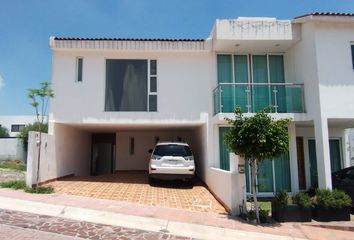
point(250, 81)
point(131, 85)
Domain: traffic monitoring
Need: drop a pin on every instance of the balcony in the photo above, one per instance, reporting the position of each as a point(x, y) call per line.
point(252, 97)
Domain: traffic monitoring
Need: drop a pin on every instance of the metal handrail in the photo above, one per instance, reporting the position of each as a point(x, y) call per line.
point(218, 90)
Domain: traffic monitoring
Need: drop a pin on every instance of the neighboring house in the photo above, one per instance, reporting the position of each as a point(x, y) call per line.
point(12, 148)
point(15, 123)
point(115, 98)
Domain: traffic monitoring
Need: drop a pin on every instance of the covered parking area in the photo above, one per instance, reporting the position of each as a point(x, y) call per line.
point(110, 161)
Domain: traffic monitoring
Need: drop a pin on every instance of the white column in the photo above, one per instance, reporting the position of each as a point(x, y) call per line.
point(322, 152)
point(294, 173)
point(238, 184)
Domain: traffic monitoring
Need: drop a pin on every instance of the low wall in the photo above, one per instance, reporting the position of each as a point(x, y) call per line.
point(65, 153)
point(228, 186)
point(11, 149)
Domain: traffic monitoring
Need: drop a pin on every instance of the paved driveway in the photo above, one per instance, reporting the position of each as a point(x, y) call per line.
point(134, 187)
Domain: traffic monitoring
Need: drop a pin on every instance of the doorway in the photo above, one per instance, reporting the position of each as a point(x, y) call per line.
point(103, 153)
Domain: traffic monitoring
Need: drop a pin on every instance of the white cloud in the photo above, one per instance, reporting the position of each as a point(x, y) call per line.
point(2, 82)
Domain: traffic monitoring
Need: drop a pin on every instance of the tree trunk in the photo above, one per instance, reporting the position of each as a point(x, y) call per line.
point(253, 184)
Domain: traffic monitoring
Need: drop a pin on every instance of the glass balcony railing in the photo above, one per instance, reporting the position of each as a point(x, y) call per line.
point(252, 97)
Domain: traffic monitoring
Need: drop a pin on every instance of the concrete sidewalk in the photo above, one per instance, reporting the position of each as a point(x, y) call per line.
point(176, 222)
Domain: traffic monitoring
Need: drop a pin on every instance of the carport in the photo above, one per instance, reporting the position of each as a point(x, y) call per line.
point(116, 147)
point(111, 161)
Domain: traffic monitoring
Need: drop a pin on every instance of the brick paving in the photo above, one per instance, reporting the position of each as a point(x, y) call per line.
point(17, 233)
point(134, 187)
point(72, 228)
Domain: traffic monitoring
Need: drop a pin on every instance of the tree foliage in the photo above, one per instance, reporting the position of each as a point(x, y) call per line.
point(257, 138)
point(4, 132)
point(39, 98)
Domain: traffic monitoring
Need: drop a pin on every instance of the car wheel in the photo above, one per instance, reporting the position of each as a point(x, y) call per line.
point(151, 180)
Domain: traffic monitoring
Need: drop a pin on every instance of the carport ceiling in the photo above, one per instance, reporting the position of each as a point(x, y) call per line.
point(135, 127)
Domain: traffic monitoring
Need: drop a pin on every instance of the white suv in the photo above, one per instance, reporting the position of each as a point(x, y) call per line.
point(172, 161)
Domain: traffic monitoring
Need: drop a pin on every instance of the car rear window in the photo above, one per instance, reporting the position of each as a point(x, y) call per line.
point(172, 150)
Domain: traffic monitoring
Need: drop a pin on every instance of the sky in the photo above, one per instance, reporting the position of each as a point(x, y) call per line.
point(26, 25)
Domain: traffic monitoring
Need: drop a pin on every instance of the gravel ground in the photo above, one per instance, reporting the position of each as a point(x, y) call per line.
point(10, 174)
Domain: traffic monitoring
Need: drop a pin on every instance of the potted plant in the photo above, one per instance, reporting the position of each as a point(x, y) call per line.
point(331, 205)
point(297, 209)
point(263, 215)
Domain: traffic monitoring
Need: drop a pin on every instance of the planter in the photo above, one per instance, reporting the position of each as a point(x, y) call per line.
point(291, 213)
point(322, 214)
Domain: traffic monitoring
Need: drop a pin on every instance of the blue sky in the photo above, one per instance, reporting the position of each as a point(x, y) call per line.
point(26, 25)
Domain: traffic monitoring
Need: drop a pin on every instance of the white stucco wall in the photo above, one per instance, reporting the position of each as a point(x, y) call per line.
point(184, 86)
point(65, 153)
point(11, 149)
point(335, 68)
point(145, 140)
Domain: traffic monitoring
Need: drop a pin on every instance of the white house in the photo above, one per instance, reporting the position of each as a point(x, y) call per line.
point(15, 123)
point(115, 98)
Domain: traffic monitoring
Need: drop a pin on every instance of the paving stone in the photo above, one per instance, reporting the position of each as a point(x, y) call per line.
point(67, 227)
point(134, 187)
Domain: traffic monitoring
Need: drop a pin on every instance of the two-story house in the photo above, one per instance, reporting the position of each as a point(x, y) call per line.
point(115, 98)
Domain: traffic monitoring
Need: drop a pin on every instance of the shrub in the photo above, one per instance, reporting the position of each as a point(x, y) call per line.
point(40, 190)
point(303, 200)
point(332, 199)
point(4, 132)
point(281, 198)
point(14, 184)
point(36, 126)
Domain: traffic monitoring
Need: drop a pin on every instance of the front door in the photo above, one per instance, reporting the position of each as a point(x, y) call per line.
point(103, 153)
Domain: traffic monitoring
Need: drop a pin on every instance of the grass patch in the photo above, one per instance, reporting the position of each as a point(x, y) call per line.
point(40, 190)
point(20, 184)
point(15, 165)
point(14, 184)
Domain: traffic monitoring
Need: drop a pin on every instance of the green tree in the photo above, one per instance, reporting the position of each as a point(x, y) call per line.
point(4, 132)
point(257, 138)
point(39, 99)
point(36, 126)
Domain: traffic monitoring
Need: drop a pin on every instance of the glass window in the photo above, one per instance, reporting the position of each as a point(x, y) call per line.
point(79, 65)
point(153, 68)
point(17, 127)
point(153, 84)
point(172, 150)
point(352, 47)
point(126, 85)
point(224, 68)
point(131, 145)
point(153, 103)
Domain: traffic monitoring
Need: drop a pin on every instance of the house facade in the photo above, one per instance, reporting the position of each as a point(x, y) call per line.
point(115, 98)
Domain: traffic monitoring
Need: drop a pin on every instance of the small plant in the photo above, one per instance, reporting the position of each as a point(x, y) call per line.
point(40, 190)
point(332, 199)
point(14, 184)
point(251, 215)
point(282, 198)
point(302, 199)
